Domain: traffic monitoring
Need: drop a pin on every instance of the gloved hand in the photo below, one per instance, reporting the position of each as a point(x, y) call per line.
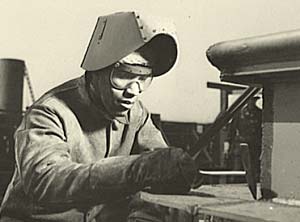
point(165, 170)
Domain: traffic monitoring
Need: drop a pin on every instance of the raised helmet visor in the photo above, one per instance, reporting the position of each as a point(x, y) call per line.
point(117, 35)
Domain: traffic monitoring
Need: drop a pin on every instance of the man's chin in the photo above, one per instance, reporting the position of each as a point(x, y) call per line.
point(121, 110)
point(121, 113)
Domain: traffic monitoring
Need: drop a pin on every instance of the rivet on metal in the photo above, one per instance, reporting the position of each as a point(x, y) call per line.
point(154, 30)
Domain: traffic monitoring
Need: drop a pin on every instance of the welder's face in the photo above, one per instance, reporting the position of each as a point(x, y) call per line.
point(119, 91)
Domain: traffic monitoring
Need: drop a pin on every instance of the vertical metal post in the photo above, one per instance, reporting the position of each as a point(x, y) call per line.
point(223, 133)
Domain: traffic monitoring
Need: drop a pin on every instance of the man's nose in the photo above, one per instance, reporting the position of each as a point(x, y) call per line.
point(134, 89)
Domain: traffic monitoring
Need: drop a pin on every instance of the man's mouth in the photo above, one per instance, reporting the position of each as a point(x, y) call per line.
point(126, 104)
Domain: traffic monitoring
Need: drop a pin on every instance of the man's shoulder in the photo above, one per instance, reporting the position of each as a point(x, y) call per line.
point(67, 87)
point(60, 96)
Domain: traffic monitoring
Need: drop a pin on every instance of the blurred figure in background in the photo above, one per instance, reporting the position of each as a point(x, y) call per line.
point(246, 127)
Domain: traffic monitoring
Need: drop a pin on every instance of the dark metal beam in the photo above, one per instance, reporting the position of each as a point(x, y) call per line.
point(227, 87)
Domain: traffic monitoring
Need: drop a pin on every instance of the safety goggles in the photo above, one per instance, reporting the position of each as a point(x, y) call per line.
point(121, 79)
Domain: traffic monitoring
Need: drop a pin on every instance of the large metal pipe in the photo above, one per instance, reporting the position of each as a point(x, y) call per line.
point(12, 73)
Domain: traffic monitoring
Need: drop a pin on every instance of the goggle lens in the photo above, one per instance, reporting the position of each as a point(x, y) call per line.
point(122, 80)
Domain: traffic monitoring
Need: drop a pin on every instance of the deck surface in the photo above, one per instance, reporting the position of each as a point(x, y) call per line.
point(227, 201)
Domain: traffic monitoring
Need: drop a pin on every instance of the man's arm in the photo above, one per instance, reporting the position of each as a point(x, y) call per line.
point(50, 177)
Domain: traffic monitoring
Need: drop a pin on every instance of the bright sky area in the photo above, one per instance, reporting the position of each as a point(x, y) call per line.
point(52, 36)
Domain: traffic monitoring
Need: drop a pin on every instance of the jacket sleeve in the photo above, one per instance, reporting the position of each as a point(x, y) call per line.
point(48, 174)
point(149, 136)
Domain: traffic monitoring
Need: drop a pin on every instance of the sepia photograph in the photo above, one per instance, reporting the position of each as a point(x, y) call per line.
point(144, 111)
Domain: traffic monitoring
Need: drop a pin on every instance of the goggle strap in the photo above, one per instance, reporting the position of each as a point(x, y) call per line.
point(134, 69)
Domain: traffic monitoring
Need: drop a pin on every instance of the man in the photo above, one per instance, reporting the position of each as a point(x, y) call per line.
point(87, 146)
point(246, 128)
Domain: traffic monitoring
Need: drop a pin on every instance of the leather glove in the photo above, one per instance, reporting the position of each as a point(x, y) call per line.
point(164, 170)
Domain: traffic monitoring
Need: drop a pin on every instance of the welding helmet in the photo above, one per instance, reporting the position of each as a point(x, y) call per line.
point(119, 37)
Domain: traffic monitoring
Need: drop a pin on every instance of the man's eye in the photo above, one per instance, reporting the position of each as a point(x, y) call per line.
point(125, 75)
point(143, 78)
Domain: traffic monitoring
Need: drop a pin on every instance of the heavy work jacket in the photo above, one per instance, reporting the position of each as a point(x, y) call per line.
point(66, 152)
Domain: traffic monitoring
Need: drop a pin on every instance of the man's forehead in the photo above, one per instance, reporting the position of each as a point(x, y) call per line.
point(135, 63)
